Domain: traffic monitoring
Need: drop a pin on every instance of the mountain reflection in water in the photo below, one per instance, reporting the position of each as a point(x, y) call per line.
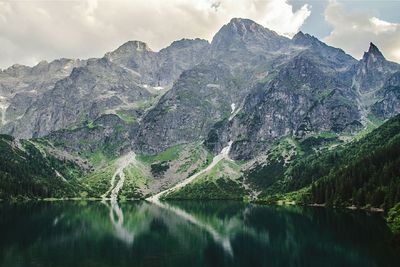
point(189, 233)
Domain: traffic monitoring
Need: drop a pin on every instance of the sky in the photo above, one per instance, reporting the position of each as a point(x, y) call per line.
point(35, 30)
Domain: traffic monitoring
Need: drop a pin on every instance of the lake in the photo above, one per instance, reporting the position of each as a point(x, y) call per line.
point(189, 233)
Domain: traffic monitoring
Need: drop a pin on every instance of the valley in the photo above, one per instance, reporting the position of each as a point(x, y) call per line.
point(251, 116)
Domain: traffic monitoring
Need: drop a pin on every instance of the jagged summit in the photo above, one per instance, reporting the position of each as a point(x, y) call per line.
point(373, 54)
point(300, 34)
point(244, 26)
point(127, 50)
point(132, 55)
point(374, 49)
point(373, 70)
point(246, 34)
point(234, 22)
point(336, 57)
point(132, 46)
point(304, 37)
point(253, 54)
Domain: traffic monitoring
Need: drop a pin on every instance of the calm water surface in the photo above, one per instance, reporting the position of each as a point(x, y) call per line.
point(77, 234)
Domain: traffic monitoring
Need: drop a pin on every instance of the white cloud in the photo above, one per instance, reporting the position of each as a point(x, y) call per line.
point(34, 30)
point(354, 32)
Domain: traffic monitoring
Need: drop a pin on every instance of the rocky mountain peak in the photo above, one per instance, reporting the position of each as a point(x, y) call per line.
point(244, 34)
point(373, 70)
point(335, 57)
point(128, 48)
point(136, 45)
point(299, 35)
point(243, 27)
point(373, 54)
point(196, 79)
point(304, 39)
point(373, 49)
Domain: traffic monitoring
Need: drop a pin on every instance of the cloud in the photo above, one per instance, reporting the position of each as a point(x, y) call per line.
point(32, 30)
point(354, 32)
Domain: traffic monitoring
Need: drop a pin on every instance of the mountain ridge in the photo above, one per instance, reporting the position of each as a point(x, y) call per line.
point(270, 99)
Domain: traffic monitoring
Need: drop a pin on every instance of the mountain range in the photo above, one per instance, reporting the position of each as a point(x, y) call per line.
point(240, 117)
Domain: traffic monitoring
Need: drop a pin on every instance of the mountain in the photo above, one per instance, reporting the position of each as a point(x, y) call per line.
point(242, 43)
point(321, 169)
point(250, 115)
point(337, 58)
point(266, 60)
point(20, 85)
point(373, 70)
point(371, 84)
point(100, 86)
point(199, 98)
point(302, 98)
point(163, 68)
point(205, 94)
point(128, 78)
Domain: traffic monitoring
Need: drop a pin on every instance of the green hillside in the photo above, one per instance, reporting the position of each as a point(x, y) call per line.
point(28, 171)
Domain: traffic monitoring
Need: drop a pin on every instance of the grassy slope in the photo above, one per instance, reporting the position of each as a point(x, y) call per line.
point(180, 160)
point(221, 182)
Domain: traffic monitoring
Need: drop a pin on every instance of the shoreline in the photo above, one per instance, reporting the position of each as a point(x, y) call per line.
point(258, 202)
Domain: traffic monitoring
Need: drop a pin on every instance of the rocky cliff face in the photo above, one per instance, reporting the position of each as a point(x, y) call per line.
point(100, 86)
point(336, 58)
point(179, 56)
point(108, 134)
point(306, 96)
point(373, 71)
point(250, 86)
point(199, 98)
point(371, 82)
point(213, 90)
point(388, 104)
point(20, 85)
point(163, 68)
point(242, 37)
point(67, 92)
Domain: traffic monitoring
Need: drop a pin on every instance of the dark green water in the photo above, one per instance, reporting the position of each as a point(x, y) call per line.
point(75, 234)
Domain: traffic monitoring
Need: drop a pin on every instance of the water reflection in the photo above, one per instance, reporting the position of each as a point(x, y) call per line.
point(122, 232)
point(189, 234)
point(223, 240)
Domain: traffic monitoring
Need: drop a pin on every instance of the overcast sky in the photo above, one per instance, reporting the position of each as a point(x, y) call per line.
point(34, 30)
